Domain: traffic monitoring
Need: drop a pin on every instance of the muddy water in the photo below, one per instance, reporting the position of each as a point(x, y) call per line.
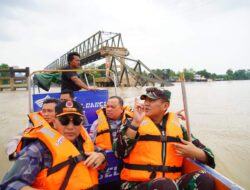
point(219, 116)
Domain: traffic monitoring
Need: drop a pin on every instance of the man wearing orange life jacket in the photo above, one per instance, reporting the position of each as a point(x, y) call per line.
point(62, 157)
point(47, 113)
point(152, 147)
point(104, 130)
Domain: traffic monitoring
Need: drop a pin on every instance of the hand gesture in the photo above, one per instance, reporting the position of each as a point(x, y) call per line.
point(138, 113)
point(181, 115)
point(186, 149)
point(95, 159)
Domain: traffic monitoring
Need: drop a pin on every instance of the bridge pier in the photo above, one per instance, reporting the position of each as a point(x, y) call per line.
point(9, 79)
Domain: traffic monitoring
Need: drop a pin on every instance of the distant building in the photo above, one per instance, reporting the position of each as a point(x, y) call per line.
point(199, 78)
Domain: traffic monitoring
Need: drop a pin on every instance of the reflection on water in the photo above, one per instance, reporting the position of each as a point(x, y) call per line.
point(219, 117)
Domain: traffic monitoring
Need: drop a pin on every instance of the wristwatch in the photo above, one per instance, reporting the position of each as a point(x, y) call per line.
point(133, 127)
point(128, 124)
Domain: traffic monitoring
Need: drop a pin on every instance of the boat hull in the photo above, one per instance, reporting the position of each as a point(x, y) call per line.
point(221, 182)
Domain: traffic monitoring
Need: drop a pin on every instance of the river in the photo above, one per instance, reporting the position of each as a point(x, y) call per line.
point(219, 116)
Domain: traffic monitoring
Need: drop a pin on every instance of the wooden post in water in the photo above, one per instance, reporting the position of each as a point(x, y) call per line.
point(12, 81)
point(184, 98)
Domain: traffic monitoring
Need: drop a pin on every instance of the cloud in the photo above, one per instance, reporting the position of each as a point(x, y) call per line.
point(175, 34)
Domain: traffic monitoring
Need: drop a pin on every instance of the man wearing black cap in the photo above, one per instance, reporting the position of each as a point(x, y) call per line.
point(69, 95)
point(62, 157)
point(152, 146)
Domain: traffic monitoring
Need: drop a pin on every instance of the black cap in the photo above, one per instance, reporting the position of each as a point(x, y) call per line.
point(69, 107)
point(156, 93)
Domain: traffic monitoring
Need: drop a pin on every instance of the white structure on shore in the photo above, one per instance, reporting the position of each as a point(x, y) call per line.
point(198, 77)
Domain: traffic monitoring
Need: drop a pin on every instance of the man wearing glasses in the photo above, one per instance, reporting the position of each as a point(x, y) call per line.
point(152, 146)
point(62, 157)
point(69, 95)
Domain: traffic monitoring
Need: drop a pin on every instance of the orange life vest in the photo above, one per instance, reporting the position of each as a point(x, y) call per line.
point(146, 160)
point(36, 120)
point(104, 138)
point(65, 156)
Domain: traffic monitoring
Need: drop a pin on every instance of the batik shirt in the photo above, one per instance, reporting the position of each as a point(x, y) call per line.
point(114, 126)
point(30, 161)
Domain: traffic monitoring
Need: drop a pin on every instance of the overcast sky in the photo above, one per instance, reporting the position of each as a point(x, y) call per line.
point(175, 34)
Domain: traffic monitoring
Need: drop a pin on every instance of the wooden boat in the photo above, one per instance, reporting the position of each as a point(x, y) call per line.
point(91, 104)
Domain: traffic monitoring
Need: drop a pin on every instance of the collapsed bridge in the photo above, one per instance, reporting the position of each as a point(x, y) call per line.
point(109, 46)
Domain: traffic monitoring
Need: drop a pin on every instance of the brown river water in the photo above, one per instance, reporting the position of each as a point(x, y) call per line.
point(219, 114)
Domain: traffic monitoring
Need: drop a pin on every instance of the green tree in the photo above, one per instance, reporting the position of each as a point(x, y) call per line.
point(204, 73)
point(189, 74)
point(240, 75)
point(102, 66)
point(168, 74)
point(248, 74)
point(220, 77)
point(4, 73)
point(213, 76)
point(4, 66)
point(230, 74)
point(159, 73)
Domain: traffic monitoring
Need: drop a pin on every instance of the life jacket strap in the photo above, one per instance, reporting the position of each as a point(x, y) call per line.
point(105, 131)
point(153, 168)
point(70, 161)
point(72, 165)
point(159, 138)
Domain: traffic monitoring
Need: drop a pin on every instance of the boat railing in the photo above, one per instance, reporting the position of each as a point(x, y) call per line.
point(85, 71)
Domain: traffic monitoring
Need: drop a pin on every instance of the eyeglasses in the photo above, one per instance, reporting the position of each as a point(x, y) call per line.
point(65, 120)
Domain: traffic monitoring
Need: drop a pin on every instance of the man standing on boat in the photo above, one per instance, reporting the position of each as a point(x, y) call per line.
point(62, 157)
point(153, 145)
point(71, 80)
point(104, 130)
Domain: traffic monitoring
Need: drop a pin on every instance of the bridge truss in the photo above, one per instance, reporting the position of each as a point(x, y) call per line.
point(109, 46)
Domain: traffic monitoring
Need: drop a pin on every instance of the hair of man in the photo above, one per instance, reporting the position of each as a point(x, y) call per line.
point(71, 55)
point(51, 100)
point(70, 92)
point(120, 100)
